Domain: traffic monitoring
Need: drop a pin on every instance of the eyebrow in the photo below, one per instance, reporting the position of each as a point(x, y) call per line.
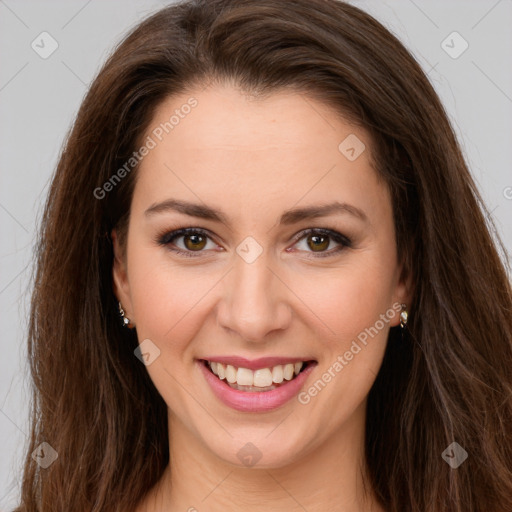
point(289, 217)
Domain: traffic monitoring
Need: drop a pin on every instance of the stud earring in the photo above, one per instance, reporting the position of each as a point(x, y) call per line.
point(404, 315)
point(126, 320)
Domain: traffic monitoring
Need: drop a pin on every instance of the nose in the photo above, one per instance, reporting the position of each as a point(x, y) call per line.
point(255, 301)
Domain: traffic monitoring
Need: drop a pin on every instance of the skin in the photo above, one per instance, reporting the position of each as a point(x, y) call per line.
point(253, 159)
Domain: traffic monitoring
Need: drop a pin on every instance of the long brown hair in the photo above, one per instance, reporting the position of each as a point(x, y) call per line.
point(449, 379)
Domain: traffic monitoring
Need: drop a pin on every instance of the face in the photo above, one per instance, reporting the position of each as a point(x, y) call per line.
point(260, 244)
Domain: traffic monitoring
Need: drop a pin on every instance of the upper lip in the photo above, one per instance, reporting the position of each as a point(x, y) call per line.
point(255, 364)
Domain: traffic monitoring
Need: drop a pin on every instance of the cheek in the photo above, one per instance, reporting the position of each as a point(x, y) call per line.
point(168, 310)
point(354, 311)
point(169, 302)
point(350, 298)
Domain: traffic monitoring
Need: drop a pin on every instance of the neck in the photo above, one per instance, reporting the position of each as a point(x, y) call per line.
point(328, 478)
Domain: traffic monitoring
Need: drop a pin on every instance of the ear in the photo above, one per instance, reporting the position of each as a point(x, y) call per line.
point(403, 294)
point(121, 286)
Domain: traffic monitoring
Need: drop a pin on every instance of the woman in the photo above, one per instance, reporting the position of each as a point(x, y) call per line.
point(265, 280)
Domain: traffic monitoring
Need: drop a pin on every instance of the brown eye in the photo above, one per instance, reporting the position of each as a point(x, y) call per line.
point(318, 243)
point(187, 241)
point(321, 242)
point(194, 242)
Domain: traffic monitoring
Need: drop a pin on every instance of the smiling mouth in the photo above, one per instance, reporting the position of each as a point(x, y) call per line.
point(262, 379)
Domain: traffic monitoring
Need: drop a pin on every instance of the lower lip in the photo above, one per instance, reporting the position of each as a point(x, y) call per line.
point(255, 401)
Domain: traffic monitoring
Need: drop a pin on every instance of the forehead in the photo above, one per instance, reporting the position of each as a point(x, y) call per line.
point(226, 119)
point(226, 148)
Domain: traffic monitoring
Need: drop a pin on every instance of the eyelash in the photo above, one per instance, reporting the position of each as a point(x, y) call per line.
point(166, 239)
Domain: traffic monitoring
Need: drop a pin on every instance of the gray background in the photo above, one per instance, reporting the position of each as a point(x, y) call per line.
point(40, 97)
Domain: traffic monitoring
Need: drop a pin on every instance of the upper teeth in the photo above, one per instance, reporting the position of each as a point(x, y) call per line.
point(261, 378)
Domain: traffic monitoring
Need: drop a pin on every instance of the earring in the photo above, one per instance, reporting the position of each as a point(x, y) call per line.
point(126, 320)
point(404, 315)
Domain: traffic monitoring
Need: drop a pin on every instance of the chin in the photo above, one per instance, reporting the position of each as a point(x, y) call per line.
point(257, 449)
